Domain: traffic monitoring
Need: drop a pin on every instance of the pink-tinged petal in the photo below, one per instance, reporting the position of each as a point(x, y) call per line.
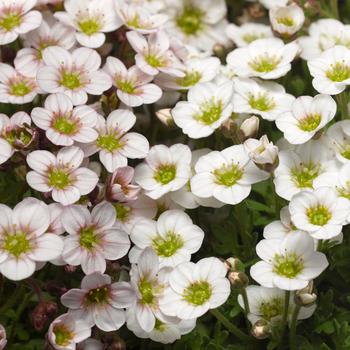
point(136, 146)
point(159, 40)
point(67, 196)
point(78, 97)
point(48, 79)
point(59, 103)
point(86, 114)
point(150, 93)
point(6, 72)
point(71, 156)
point(95, 280)
point(58, 139)
point(91, 41)
point(122, 295)
point(73, 298)
point(41, 117)
point(130, 99)
point(86, 58)
point(47, 247)
point(85, 135)
point(93, 262)
point(31, 215)
point(72, 252)
point(17, 269)
point(115, 67)
point(5, 218)
point(145, 317)
point(29, 22)
point(140, 77)
point(116, 244)
point(103, 216)
point(75, 217)
point(27, 5)
point(148, 263)
point(6, 151)
point(112, 161)
point(86, 180)
point(99, 82)
point(57, 57)
point(121, 119)
point(108, 318)
point(7, 37)
point(20, 118)
point(38, 181)
point(137, 41)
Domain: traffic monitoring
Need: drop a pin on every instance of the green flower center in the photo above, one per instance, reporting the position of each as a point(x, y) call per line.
point(210, 112)
point(265, 63)
point(70, 80)
point(338, 72)
point(88, 238)
point(286, 21)
point(20, 88)
point(122, 211)
point(318, 215)
point(43, 45)
point(64, 125)
point(190, 20)
point(10, 21)
point(134, 22)
point(310, 122)
point(345, 152)
point(197, 293)
point(167, 246)
point(228, 175)
point(98, 295)
point(16, 244)
point(304, 175)
point(344, 192)
point(271, 308)
point(289, 265)
point(17, 134)
point(165, 173)
point(63, 336)
point(191, 78)
point(109, 142)
point(261, 102)
point(249, 38)
point(146, 290)
point(160, 326)
point(90, 26)
point(59, 178)
point(154, 61)
point(125, 86)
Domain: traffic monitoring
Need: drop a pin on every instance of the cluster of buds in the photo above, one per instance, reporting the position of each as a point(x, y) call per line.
point(42, 313)
point(236, 274)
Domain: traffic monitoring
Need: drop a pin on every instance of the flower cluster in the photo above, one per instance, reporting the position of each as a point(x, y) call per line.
point(131, 126)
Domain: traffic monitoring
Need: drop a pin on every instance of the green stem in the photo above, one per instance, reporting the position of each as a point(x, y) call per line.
point(335, 11)
point(293, 329)
point(285, 316)
point(245, 300)
point(342, 101)
point(13, 299)
point(230, 326)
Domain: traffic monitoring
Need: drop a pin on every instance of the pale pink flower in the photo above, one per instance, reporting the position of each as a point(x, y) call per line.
point(92, 238)
point(64, 124)
point(61, 175)
point(3, 339)
point(133, 85)
point(16, 18)
point(75, 74)
point(114, 143)
point(23, 238)
point(100, 302)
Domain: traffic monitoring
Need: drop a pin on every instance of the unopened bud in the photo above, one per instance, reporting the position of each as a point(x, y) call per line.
point(51, 308)
point(305, 296)
point(164, 115)
point(234, 264)
point(256, 10)
point(238, 279)
point(219, 51)
point(39, 317)
point(70, 268)
point(261, 329)
point(249, 128)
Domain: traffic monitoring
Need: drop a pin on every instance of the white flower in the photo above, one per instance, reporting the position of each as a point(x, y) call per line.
point(162, 332)
point(195, 288)
point(286, 20)
point(23, 238)
point(324, 34)
point(265, 58)
point(64, 124)
point(248, 32)
point(16, 88)
point(208, 106)
point(173, 237)
point(29, 59)
point(226, 175)
point(307, 116)
point(299, 167)
point(133, 85)
point(99, 301)
point(331, 70)
point(92, 238)
point(16, 18)
point(272, 3)
point(321, 213)
point(268, 304)
point(267, 99)
point(288, 263)
point(153, 54)
point(114, 143)
point(166, 169)
point(261, 151)
point(61, 174)
point(75, 74)
point(3, 339)
point(339, 136)
point(90, 19)
point(65, 332)
point(11, 130)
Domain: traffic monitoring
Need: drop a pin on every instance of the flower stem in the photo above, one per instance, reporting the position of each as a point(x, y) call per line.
point(293, 328)
point(342, 101)
point(285, 316)
point(245, 300)
point(230, 326)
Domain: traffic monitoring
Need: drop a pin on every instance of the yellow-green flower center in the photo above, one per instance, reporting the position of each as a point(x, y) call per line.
point(197, 293)
point(286, 21)
point(16, 244)
point(10, 20)
point(122, 211)
point(146, 291)
point(154, 61)
point(191, 78)
point(250, 37)
point(168, 245)
point(310, 122)
point(190, 21)
point(70, 80)
point(134, 22)
point(271, 308)
point(20, 134)
point(59, 178)
point(63, 336)
point(304, 175)
point(338, 72)
point(210, 112)
point(109, 142)
point(160, 326)
point(262, 102)
point(89, 26)
point(319, 215)
point(20, 88)
point(345, 152)
point(265, 63)
point(98, 295)
point(65, 125)
point(165, 173)
point(125, 86)
point(228, 175)
point(344, 191)
point(88, 237)
point(289, 265)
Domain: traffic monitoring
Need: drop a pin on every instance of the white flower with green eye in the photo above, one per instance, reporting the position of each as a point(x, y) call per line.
point(331, 70)
point(265, 58)
point(208, 105)
point(166, 169)
point(339, 137)
point(173, 237)
point(321, 213)
point(307, 116)
point(195, 288)
point(288, 263)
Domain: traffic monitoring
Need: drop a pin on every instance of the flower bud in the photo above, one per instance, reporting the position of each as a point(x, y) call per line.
point(238, 279)
point(164, 115)
point(70, 268)
point(3, 339)
point(219, 51)
point(256, 10)
point(249, 128)
point(39, 317)
point(261, 329)
point(234, 264)
point(51, 308)
point(305, 296)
